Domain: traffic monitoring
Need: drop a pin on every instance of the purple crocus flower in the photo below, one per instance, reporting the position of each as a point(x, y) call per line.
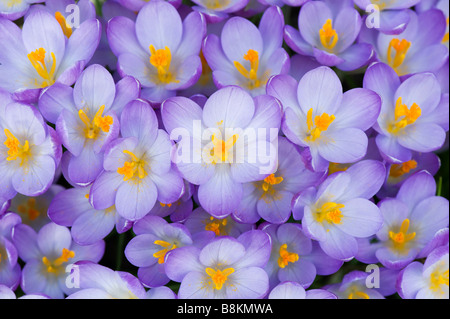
point(418, 48)
point(71, 208)
point(414, 115)
point(218, 10)
point(47, 254)
point(29, 151)
point(428, 280)
point(339, 210)
point(14, 9)
point(226, 268)
point(327, 31)
point(319, 116)
point(10, 271)
point(86, 118)
point(245, 55)
point(136, 5)
point(154, 239)
point(293, 290)
point(159, 49)
point(137, 166)
point(229, 142)
point(39, 54)
point(296, 257)
point(412, 222)
point(270, 198)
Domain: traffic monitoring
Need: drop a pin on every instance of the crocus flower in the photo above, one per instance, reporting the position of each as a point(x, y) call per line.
point(13, 9)
point(339, 210)
point(29, 151)
point(136, 5)
point(413, 117)
point(428, 280)
point(86, 118)
point(418, 48)
point(227, 148)
point(319, 116)
point(47, 254)
point(245, 55)
point(71, 208)
point(327, 32)
point(10, 271)
point(353, 286)
point(39, 54)
point(411, 221)
point(293, 290)
point(137, 166)
point(160, 50)
point(271, 197)
point(226, 268)
point(295, 257)
point(154, 239)
point(218, 10)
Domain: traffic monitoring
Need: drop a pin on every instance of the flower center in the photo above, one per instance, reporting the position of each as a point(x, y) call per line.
point(400, 239)
point(328, 36)
point(217, 225)
point(162, 253)
point(398, 170)
point(446, 35)
point(55, 265)
point(380, 3)
point(319, 125)
point(16, 150)
point(216, 4)
point(330, 212)
point(286, 257)
point(37, 59)
point(65, 27)
point(253, 82)
point(134, 169)
point(401, 47)
point(219, 277)
point(403, 116)
point(220, 152)
point(437, 279)
point(92, 128)
point(29, 208)
point(161, 60)
point(357, 294)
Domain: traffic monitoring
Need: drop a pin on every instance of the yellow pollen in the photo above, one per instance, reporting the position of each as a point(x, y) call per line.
point(380, 3)
point(437, 279)
point(403, 116)
point(219, 277)
point(253, 82)
point(319, 125)
point(402, 237)
point(328, 36)
point(398, 170)
point(205, 77)
point(99, 123)
point(395, 60)
point(216, 4)
point(37, 59)
point(66, 28)
point(336, 167)
point(15, 149)
point(134, 169)
point(269, 181)
point(161, 60)
point(286, 257)
point(330, 212)
point(358, 295)
point(446, 36)
point(164, 205)
point(29, 209)
point(221, 149)
point(217, 226)
point(55, 265)
point(162, 253)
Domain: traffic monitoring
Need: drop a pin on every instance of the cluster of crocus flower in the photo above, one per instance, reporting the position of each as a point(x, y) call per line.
point(230, 149)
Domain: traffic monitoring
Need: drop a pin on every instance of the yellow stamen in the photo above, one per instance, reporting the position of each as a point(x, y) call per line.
point(401, 48)
point(161, 60)
point(330, 212)
point(205, 77)
point(164, 205)
point(216, 4)
point(219, 277)
point(336, 167)
point(358, 295)
point(221, 149)
point(398, 170)
point(328, 36)
point(403, 116)
point(29, 209)
point(15, 149)
point(319, 125)
point(253, 82)
point(286, 257)
point(446, 35)
point(37, 59)
point(162, 253)
point(55, 265)
point(134, 169)
point(99, 123)
point(66, 28)
point(269, 181)
point(217, 226)
point(437, 279)
point(402, 237)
